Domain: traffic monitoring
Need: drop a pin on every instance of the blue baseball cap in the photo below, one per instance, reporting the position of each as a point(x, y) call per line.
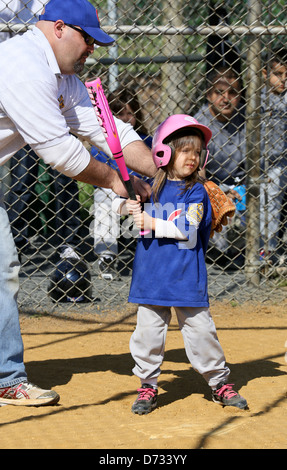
point(78, 13)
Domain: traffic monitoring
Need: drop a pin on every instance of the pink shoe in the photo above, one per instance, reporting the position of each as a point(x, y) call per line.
point(225, 395)
point(146, 400)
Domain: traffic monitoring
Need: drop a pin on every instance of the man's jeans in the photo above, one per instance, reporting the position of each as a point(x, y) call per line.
point(12, 369)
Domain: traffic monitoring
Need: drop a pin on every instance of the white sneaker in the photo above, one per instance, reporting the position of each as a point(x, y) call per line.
point(68, 252)
point(107, 265)
point(27, 394)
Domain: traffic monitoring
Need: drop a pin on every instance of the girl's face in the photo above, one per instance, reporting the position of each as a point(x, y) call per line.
point(127, 115)
point(186, 160)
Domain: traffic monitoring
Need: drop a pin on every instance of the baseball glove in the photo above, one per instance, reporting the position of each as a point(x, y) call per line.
point(222, 206)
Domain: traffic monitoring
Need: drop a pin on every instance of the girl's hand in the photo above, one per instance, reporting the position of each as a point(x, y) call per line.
point(133, 207)
point(144, 221)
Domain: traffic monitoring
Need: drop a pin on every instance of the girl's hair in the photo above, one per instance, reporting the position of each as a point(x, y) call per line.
point(176, 142)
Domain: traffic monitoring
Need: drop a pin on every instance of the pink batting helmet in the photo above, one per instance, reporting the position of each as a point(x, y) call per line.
point(161, 152)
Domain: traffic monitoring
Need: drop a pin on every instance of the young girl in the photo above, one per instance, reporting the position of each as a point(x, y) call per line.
point(169, 266)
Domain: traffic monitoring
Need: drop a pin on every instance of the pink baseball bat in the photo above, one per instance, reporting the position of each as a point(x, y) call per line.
point(108, 126)
point(107, 123)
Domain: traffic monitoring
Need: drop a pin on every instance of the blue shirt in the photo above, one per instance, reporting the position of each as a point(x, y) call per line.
point(167, 271)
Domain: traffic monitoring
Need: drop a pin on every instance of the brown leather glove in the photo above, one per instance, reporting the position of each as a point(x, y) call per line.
point(222, 206)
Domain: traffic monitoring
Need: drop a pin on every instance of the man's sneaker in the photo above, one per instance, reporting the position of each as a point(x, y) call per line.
point(146, 400)
point(225, 395)
point(66, 251)
point(106, 264)
point(27, 394)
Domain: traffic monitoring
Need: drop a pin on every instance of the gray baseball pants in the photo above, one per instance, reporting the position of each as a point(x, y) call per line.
point(201, 343)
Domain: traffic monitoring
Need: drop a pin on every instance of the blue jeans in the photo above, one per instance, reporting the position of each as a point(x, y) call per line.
point(12, 369)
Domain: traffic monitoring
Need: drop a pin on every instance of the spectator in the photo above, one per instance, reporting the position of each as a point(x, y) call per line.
point(223, 113)
point(274, 150)
point(124, 104)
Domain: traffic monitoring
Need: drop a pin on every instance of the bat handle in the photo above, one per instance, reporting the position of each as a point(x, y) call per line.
point(132, 196)
point(130, 190)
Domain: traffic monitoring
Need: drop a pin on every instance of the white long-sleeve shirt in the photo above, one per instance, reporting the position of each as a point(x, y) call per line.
point(43, 108)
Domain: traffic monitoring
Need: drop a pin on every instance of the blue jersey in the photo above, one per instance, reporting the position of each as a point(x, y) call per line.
point(173, 272)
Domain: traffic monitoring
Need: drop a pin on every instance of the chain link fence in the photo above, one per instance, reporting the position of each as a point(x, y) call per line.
point(224, 63)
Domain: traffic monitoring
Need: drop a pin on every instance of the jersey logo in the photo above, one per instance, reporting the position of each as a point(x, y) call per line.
point(194, 214)
point(61, 102)
point(174, 215)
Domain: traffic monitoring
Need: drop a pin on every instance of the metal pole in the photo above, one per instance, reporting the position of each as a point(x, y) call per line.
point(253, 147)
point(171, 30)
point(113, 50)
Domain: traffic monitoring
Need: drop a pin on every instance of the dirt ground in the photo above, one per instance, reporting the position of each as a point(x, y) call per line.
point(86, 359)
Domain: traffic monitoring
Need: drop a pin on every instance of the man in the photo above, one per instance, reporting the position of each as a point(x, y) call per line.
point(223, 114)
point(26, 165)
point(42, 104)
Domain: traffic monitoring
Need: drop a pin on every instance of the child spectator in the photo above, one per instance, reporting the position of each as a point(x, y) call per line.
point(274, 151)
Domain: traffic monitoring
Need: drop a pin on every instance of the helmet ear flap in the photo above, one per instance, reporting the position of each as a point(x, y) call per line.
point(161, 155)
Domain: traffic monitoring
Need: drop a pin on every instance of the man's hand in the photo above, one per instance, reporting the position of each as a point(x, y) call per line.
point(141, 188)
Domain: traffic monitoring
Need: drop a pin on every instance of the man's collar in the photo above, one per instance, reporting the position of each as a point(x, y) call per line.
point(51, 58)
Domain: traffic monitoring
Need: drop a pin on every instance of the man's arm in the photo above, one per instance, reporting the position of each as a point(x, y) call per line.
point(102, 175)
point(138, 157)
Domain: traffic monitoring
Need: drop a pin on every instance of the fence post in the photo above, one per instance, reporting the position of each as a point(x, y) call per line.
point(253, 146)
point(113, 50)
